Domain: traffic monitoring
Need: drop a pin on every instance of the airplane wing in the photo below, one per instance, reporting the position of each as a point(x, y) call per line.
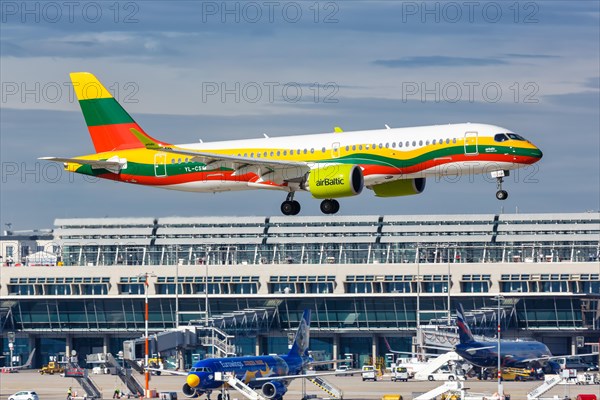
point(288, 377)
point(168, 371)
point(277, 171)
point(327, 362)
point(548, 358)
point(113, 164)
point(26, 365)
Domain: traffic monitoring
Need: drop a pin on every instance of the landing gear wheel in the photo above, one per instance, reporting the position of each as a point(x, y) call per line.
point(502, 195)
point(330, 206)
point(287, 207)
point(297, 207)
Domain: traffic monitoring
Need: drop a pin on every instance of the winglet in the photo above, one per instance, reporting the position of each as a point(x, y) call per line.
point(337, 129)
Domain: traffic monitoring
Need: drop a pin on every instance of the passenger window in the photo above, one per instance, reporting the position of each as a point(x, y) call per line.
point(366, 147)
point(323, 149)
point(454, 140)
point(414, 143)
point(407, 143)
point(399, 144)
point(433, 141)
point(278, 153)
point(291, 152)
point(360, 146)
point(420, 143)
point(354, 147)
point(447, 141)
point(271, 154)
point(393, 145)
point(285, 152)
point(381, 145)
point(387, 145)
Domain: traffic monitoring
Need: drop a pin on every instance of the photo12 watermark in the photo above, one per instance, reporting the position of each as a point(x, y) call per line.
point(53, 12)
point(60, 92)
point(470, 91)
point(254, 12)
point(454, 12)
point(269, 92)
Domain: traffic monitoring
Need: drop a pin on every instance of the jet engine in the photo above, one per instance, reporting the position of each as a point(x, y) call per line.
point(189, 391)
point(335, 181)
point(401, 187)
point(274, 390)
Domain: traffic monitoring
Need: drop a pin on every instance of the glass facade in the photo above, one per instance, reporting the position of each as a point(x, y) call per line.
point(506, 238)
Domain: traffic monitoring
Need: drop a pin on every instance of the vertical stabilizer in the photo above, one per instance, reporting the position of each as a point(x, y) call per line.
point(302, 338)
point(464, 332)
point(110, 126)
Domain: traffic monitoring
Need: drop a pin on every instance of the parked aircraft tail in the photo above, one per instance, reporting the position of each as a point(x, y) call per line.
point(302, 338)
point(110, 126)
point(464, 332)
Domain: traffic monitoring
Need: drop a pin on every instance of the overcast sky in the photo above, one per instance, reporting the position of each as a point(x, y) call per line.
point(208, 70)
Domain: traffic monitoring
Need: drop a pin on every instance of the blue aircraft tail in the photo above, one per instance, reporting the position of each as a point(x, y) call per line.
point(302, 338)
point(464, 333)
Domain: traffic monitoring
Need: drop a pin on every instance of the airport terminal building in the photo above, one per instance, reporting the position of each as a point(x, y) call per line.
point(366, 279)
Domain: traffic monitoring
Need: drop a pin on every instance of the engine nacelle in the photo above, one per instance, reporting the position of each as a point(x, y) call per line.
point(335, 181)
point(274, 390)
point(401, 187)
point(189, 391)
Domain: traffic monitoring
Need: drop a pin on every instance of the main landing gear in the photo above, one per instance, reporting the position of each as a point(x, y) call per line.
point(499, 175)
point(290, 206)
point(330, 206)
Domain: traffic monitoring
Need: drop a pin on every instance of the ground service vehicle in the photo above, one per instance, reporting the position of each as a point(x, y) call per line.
point(368, 372)
point(399, 374)
point(52, 368)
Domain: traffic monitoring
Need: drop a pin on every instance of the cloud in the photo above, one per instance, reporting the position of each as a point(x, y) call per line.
point(532, 56)
point(438, 61)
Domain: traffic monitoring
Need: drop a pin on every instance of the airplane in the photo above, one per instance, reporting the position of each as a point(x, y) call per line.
point(16, 368)
point(390, 162)
point(513, 354)
point(270, 374)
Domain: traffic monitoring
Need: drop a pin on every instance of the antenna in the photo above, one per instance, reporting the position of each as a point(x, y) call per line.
point(387, 126)
point(266, 136)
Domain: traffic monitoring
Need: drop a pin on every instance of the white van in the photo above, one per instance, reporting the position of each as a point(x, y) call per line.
point(368, 372)
point(399, 374)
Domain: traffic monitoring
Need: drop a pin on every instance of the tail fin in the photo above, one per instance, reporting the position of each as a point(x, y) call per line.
point(110, 126)
point(464, 333)
point(302, 338)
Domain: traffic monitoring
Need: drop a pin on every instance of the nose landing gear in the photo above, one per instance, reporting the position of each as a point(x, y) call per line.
point(499, 175)
point(290, 206)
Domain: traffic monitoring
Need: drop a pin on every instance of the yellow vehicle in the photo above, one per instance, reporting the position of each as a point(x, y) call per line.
point(51, 368)
point(516, 374)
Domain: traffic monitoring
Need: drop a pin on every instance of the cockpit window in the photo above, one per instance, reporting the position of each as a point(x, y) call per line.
point(514, 136)
point(500, 137)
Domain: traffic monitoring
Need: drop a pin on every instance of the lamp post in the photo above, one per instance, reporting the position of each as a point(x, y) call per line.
point(418, 303)
point(146, 275)
point(499, 298)
point(448, 289)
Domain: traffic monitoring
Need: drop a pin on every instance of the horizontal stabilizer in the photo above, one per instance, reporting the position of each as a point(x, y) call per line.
point(113, 164)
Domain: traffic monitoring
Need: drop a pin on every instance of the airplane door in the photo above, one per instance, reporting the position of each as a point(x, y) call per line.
point(335, 150)
point(160, 165)
point(471, 145)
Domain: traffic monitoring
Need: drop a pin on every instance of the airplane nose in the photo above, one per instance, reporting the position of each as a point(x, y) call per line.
point(193, 380)
point(538, 153)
